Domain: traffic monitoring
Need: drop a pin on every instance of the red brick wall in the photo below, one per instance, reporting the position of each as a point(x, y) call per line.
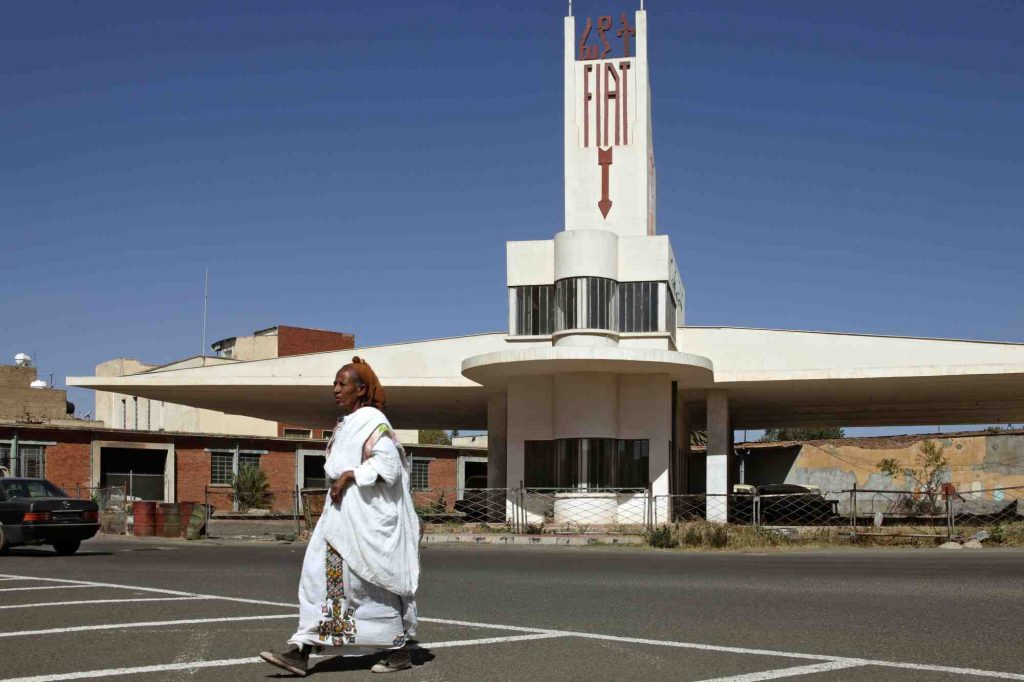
point(67, 462)
point(193, 470)
point(298, 340)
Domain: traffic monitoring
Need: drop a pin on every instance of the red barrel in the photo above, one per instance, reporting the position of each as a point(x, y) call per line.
point(186, 516)
point(144, 513)
point(171, 512)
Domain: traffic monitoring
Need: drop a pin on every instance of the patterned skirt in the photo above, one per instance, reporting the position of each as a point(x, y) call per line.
point(339, 609)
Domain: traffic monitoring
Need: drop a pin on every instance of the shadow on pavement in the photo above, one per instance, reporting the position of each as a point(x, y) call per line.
point(348, 663)
point(39, 552)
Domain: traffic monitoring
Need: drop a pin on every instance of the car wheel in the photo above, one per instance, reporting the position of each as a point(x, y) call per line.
point(67, 547)
point(4, 547)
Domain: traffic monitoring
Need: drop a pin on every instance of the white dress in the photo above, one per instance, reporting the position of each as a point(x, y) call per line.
point(361, 568)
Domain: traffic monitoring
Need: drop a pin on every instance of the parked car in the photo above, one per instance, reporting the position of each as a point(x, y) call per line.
point(34, 511)
point(480, 504)
point(784, 504)
point(781, 504)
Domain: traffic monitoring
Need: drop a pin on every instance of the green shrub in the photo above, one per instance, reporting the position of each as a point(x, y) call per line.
point(663, 537)
point(251, 488)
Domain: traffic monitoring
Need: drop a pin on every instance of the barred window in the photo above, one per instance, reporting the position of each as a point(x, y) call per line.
point(248, 459)
point(638, 306)
point(575, 463)
point(420, 474)
point(534, 313)
point(31, 459)
point(5, 458)
point(221, 467)
point(586, 303)
point(670, 310)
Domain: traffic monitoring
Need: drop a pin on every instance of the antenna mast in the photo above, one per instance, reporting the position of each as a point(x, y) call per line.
point(206, 298)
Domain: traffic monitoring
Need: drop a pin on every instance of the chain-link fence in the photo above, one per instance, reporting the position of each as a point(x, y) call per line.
point(630, 511)
point(975, 508)
point(625, 511)
point(265, 514)
point(114, 507)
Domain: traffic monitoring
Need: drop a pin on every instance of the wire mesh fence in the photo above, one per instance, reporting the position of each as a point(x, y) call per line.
point(997, 507)
point(596, 510)
point(629, 511)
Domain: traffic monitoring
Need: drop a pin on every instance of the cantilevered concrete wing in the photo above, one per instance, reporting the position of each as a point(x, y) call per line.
point(795, 378)
point(423, 380)
point(772, 378)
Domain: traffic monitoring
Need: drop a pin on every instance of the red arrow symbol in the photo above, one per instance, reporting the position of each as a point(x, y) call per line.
point(604, 159)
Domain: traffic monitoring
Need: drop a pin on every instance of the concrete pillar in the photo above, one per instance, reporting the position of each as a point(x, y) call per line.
point(497, 440)
point(681, 461)
point(719, 455)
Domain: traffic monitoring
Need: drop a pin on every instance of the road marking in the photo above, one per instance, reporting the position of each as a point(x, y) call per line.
point(147, 624)
point(789, 672)
point(516, 628)
point(487, 640)
point(113, 672)
point(42, 587)
point(739, 650)
point(155, 590)
point(226, 662)
point(97, 601)
point(486, 626)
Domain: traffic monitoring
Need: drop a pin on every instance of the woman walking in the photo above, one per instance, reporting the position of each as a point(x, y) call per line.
point(361, 569)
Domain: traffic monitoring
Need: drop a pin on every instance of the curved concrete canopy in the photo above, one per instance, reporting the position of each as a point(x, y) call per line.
point(495, 369)
point(772, 377)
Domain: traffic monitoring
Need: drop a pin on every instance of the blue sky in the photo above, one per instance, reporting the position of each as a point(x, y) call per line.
point(359, 166)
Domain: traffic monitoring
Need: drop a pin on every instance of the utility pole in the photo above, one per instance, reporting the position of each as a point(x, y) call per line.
point(206, 298)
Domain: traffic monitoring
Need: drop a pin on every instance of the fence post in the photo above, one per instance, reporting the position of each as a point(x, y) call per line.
point(650, 508)
point(949, 517)
point(295, 510)
point(853, 509)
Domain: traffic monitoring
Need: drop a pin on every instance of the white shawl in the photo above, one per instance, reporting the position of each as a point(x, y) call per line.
point(375, 527)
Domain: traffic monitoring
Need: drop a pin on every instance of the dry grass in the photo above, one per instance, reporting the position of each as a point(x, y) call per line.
point(705, 535)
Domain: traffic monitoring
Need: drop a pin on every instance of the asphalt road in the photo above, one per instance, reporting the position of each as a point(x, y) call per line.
point(535, 613)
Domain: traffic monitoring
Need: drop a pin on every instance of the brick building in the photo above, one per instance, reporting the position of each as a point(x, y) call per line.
point(138, 413)
point(177, 467)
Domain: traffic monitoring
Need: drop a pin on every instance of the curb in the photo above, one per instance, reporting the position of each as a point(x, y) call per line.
point(504, 539)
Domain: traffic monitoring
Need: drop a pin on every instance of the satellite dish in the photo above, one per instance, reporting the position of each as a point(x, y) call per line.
point(23, 360)
point(38, 383)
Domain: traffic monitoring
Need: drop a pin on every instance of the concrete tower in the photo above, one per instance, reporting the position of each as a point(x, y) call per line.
point(590, 386)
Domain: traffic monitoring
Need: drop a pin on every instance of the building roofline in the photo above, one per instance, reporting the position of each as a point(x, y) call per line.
point(862, 334)
point(93, 427)
point(877, 441)
point(356, 348)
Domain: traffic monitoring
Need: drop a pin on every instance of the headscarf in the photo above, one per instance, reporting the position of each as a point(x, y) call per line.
point(374, 391)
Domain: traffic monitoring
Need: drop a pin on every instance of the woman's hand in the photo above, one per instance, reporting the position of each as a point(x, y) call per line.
point(340, 484)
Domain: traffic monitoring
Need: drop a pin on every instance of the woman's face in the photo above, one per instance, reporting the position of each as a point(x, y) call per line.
point(348, 392)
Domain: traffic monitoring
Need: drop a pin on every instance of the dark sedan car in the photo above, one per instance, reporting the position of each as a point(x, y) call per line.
point(34, 511)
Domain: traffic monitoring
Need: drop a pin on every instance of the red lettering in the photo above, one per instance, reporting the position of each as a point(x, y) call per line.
point(587, 96)
point(606, 104)
point(604, 24)
point(625, 101)
point(611, 95)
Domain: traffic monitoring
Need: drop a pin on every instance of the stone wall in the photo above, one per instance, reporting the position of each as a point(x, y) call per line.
point(977, 461)
point(20, 402)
